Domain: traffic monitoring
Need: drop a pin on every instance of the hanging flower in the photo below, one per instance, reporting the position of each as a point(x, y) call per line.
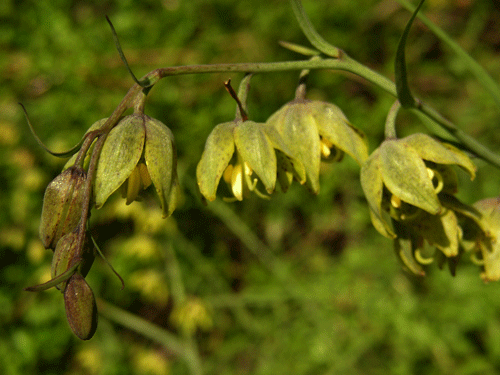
point(315, 131)
point(138, 151)
point(236, 150)
point(482, 237)
point(408, 183)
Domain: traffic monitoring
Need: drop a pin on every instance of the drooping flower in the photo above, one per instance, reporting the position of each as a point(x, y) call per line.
point(482, 237)
point(138, 151)
point(237, 149)
point(315, 131)
point(408, 184)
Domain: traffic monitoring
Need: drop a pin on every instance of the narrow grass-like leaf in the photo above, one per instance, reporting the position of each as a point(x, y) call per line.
point(143, 83)
point(311, 34)
point(39, 141)
point(298, 48)
point(404, 95)
point(475, 68)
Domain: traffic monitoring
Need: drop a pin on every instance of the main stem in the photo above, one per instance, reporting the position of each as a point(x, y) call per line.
point(343, 63)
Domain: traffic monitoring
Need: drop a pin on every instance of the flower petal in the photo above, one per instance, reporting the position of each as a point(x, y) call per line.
point(490, 243)
point(256, 149)
point(119, 156)
point(405, 245)
point(441, 153)
point(441, 231)
point(219, 148)
point(405, 175)
point(161, 160)
point(298, 129)
point(334, 126)
point(373, 186)
point(293, 164)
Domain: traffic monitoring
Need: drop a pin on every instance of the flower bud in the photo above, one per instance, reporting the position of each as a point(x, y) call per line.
point(62, 205)
point(81, 309)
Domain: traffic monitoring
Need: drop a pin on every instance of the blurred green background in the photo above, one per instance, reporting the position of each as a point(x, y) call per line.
point(300, 284)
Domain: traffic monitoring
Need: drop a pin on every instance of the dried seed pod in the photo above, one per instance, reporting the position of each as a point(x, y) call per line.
point(62, 205)
point(81, 309)
point(67, 251)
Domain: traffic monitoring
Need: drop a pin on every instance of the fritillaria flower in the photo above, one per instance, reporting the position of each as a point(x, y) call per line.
point(315, 131)
point(138, 151)
point(408, 183)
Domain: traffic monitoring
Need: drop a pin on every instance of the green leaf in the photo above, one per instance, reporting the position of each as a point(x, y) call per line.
point(56, 280)
point(485, 79)
point(95, 126)
point(403, 91)
point(311, 33)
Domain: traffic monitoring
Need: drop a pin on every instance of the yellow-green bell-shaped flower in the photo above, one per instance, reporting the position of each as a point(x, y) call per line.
point(486, 238)
point(138, 151)
point(315, 130)
point(252, 147)
point(404, 177)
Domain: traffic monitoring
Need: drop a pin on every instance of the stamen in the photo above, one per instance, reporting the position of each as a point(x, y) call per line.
point(237, 182)
point(421, 259)
point(395, 201)
point(145, 177)
point(437, 179)
point(228, 172)
point(133, 185)
point(325, 150)
point(474, 259)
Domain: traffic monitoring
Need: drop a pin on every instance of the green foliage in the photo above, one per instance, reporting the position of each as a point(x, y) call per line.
point(300, 284)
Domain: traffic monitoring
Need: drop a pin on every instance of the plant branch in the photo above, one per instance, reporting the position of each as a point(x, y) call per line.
point(344, 63)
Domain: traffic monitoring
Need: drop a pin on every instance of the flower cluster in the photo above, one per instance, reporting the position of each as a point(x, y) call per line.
point(410, 184)
point(138, 151)
point(289, 145)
